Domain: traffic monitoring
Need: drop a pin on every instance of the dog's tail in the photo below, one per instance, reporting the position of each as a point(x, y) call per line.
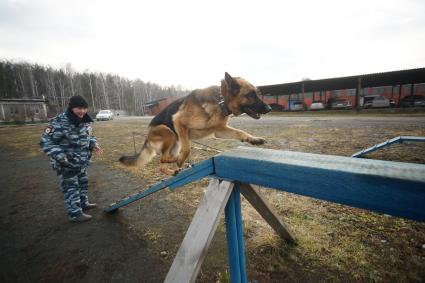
point(140, 159)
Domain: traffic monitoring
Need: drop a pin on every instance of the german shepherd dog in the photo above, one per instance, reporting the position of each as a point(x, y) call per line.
point(202, 113)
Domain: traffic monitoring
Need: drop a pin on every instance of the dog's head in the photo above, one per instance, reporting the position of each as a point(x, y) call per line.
point(242, 97)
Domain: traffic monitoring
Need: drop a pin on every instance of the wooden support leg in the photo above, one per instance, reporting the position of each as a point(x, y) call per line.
point(235, 242)
point(261, 205)
point(195, 244)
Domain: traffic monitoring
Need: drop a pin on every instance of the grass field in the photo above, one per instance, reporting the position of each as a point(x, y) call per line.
point(334, 242)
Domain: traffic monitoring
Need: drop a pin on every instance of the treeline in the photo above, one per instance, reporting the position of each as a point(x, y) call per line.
point(102, 91)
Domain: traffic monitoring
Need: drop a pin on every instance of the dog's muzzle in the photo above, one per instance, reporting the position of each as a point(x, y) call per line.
point(256, 110)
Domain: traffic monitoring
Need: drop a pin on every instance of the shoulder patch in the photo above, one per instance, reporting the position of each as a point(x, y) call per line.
point(49, 130)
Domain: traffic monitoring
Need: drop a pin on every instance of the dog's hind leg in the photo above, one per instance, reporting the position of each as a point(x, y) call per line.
point(142, 158)
point(159, 139)
point(183, 136)
point(168, 147)
point(169, 154)
point(168, 150)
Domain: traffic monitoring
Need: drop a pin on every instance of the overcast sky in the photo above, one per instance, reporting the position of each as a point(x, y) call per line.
point(192, 43)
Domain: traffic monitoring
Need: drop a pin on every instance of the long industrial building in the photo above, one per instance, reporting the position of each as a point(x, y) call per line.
point(393, 85)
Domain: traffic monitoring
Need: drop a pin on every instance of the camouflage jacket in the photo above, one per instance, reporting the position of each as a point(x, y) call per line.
point(68, 141)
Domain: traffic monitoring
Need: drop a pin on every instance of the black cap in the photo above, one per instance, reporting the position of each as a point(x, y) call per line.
point(77, 101)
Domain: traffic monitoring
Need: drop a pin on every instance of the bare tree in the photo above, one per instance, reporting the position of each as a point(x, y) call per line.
point(32, 83)
point(105, 90)
point(61, 91)
point(70, 74)
point(91, 92)
point(22, 82)
point(105, 95)
point(50, 85)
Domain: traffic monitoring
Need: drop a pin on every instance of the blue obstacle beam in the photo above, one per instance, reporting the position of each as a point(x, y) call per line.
point(395, 140)
point(196, 172)
point(393, 188)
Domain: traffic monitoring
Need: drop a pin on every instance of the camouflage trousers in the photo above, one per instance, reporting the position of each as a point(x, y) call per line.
point(74, 185)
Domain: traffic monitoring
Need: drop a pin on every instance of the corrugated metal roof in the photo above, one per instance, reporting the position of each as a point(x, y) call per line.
point(22, 100)
point(412, 76)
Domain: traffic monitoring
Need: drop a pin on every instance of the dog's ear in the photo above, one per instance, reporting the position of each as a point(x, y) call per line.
point(232, 85)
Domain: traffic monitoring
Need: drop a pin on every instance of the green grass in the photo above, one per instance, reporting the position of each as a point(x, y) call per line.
point(334, 242)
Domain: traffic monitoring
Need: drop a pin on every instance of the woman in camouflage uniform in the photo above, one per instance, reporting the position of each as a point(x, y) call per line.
point(69, 143)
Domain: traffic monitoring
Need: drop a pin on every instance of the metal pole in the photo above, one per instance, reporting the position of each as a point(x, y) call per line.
point(3, 117)
point(134, 144)
point(302, 90)
point(359, 87)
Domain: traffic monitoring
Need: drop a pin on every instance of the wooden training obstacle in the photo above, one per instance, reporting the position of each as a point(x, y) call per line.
point(392, 141)
point(393, 188)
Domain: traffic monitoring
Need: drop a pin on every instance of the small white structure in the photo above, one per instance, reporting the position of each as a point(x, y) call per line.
point(23, 110)
point(121, 113)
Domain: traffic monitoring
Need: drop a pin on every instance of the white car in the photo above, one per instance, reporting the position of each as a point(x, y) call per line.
point(317, 105)
point(341, 103)
point(376, 102)
point(105, 115)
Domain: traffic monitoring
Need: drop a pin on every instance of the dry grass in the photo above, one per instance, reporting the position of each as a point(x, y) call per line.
point(335, 242)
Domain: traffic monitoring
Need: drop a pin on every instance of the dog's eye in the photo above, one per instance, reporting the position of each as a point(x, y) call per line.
point(252, 94)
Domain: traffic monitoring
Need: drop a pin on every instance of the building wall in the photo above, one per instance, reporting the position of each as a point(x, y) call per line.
point(22, 112)
point(309, 97)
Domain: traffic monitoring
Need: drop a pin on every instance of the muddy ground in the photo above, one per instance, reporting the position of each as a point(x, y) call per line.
point(138, 244)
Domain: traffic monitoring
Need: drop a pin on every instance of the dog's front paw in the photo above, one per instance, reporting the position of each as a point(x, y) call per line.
point(168, 171)
point(256, 141)
point(185, 166)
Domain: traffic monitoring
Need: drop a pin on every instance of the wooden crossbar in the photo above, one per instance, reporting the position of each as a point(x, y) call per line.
point(254, 197)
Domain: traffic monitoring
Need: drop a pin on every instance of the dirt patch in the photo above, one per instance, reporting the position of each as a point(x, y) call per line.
point(335, 242)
